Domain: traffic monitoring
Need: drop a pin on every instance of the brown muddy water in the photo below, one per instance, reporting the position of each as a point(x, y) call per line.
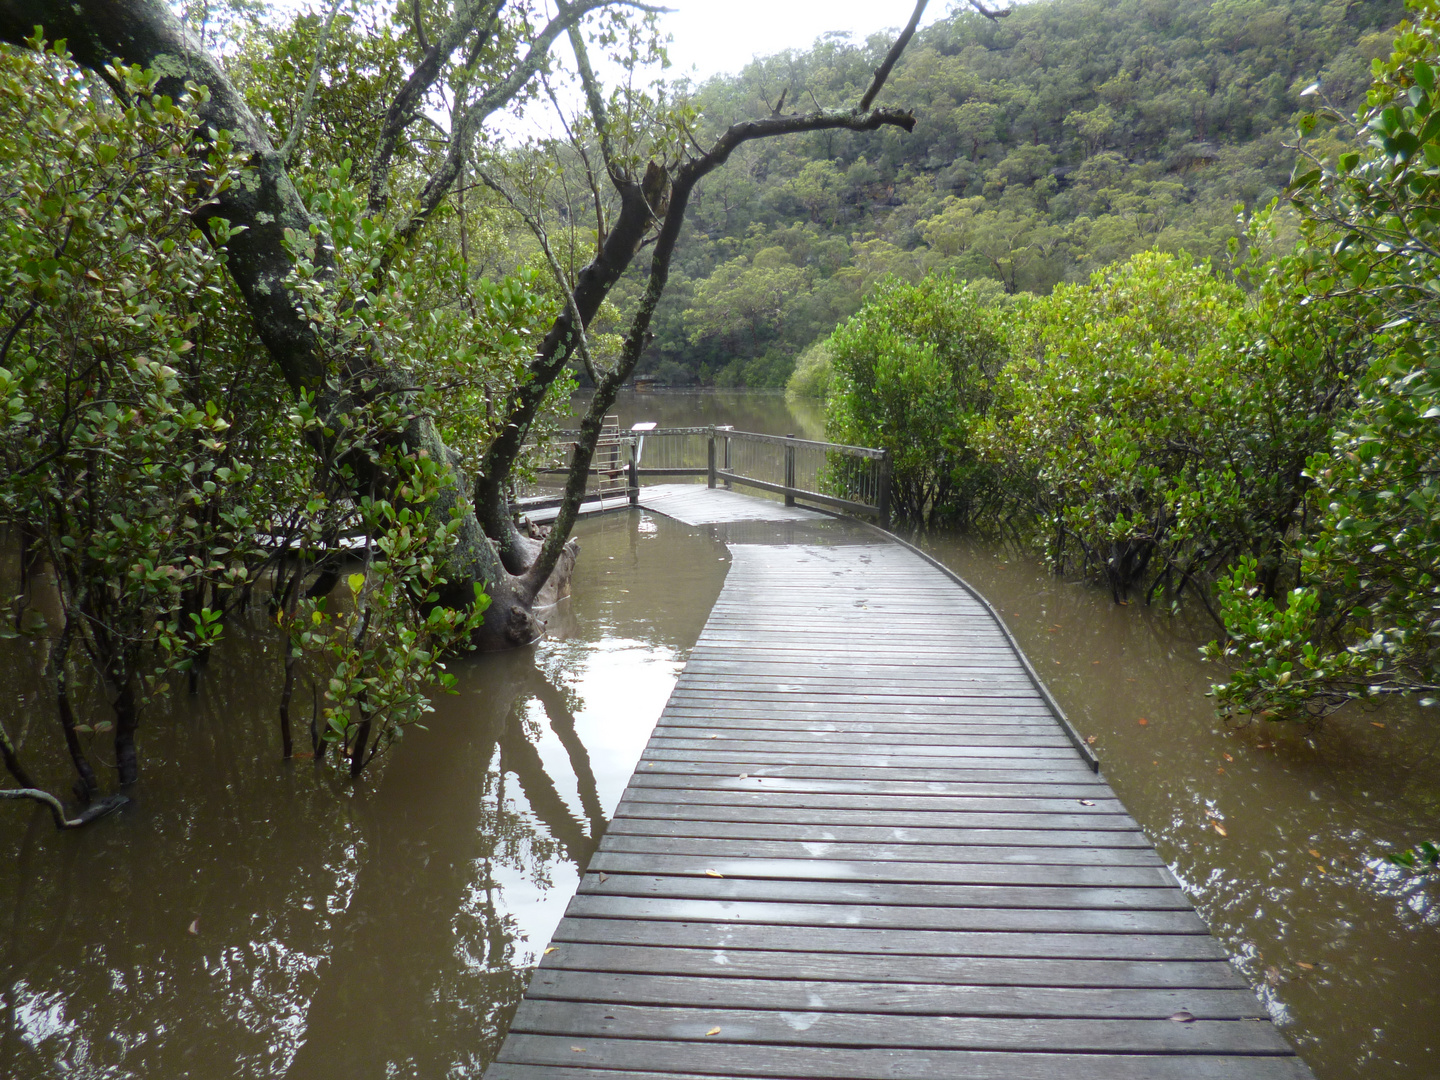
point(250, 917)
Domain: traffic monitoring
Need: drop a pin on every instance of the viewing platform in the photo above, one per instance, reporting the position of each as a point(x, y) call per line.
point(864, 842)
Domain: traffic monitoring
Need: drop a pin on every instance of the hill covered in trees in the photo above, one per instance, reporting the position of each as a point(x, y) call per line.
point(1060, 139)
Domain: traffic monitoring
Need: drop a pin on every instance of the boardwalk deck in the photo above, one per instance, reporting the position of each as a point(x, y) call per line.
point(860, 845)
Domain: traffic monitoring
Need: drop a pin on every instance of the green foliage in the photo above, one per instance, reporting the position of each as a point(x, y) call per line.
point(913, 374)
point(1105, 421)
point(1068, 136)
point(129, 440)
point(1423, 859)
point(1362, 621)
point(814, 372)
point(149, 452)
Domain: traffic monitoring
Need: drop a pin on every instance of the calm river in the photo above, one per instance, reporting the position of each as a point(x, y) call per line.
point(256, 918)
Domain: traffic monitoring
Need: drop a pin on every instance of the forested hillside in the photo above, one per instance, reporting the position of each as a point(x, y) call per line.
point(1050, 143)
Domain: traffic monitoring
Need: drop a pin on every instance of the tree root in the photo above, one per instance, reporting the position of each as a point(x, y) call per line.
point(95, 810)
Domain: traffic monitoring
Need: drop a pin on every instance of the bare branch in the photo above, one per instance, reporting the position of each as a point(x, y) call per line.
point(470, 119)
point(415, 16)
point(537, 227)
point(405, 106)
point(883, 71)
point(297, 129)
point(593, 100)
point(57, 809)
point(993, 14)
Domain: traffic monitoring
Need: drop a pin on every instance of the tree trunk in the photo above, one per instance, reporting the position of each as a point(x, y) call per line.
point(146, 32)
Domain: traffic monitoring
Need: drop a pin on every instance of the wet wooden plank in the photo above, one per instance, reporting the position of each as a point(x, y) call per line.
point(892, 997)
point(859, 845)
point(623, 904)
point(1075, 775)
point(807, 867)
point(1038, 856)
point(931, 896)
point(554, 1058)
point(899, 833)
point(722, 936)
point(927, 969)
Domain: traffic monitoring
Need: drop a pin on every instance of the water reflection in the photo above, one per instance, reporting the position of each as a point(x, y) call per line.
point(252, 917)
point(1277, 831)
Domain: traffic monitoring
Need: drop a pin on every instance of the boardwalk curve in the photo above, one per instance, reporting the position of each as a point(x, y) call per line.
point(859, 844)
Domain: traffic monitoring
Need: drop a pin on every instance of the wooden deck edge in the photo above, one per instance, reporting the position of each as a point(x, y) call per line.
point(1086, 753)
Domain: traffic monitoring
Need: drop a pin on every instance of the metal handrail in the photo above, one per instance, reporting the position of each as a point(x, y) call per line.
point(720, 467)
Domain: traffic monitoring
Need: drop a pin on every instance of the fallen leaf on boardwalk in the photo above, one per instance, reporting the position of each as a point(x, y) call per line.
point(1183, 1017)
point(604, 876)
point(712, 736)
point(1091, 740)
point(195, 927)
point(743, 776)
point(1219, 828)
point(577, 1049)
point(548, 951)
point(713, 1031)
point(1302, 964)
point(1086, 802)
point(713, 873)
point(1142, 721)
point(1315, 853)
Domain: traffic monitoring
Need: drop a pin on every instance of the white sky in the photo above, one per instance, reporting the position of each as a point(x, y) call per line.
point(715, 36)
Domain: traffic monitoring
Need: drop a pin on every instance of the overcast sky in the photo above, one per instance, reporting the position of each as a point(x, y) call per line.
point(715, 36)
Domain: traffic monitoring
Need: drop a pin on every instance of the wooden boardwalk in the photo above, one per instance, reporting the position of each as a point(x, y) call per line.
point(859, 844)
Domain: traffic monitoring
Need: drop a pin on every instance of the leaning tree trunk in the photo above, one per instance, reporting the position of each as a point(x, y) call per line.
point(146, 33)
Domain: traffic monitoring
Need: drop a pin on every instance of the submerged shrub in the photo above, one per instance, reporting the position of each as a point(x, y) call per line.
point(913, 374)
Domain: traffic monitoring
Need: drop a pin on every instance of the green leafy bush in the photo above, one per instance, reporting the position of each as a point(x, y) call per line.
point(913, 374)
point(1363, 620)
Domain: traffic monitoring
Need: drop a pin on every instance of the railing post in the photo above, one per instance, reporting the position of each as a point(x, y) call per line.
point(885, 491)
point(728, 468)
point(633, 469)
point(790, 471)
point(711, 458)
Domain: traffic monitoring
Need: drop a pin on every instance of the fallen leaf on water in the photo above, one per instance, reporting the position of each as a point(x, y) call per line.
point(1091, 740)
point(1097, 662)
point(1302, 964)
point(1183, 1017)
point(1321, 869)
point(195, 927)
point(1219, 828)
point(1142, 721)
point(713, 873)
point(548, 951)
point(1229, 758)
point(713, 1031)
point(1221, 770)
point(1376, 723)
point(302, 755)
point(1315, 853)
point(1272, 976)
point(1086, 802)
